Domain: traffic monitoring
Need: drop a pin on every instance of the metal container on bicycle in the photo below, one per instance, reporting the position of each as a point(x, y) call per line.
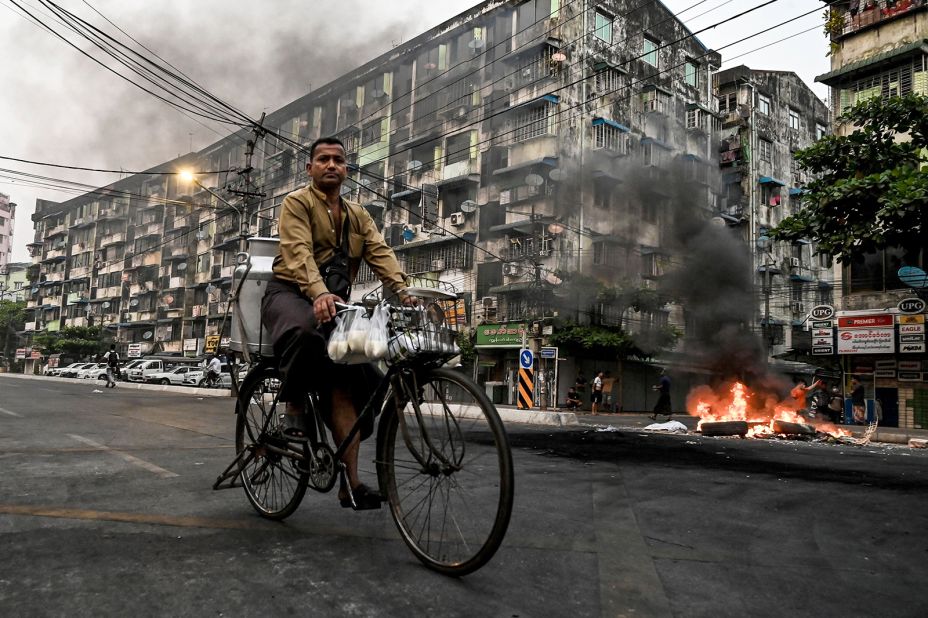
point(254, 270)
point(428, 330)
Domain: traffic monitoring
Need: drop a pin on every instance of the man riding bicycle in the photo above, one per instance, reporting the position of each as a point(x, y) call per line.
point(213, 369)
point(323, 239)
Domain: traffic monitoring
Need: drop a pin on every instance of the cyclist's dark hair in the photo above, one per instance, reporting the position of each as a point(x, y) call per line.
point(325, 140)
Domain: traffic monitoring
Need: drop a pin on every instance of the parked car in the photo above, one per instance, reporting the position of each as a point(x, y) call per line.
point(71, 370)
point(124, 369)
point(171, 376)
point(94, 371)
point(56, 371)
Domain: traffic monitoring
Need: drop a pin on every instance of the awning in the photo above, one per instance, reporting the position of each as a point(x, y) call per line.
point(600, 65)
point(456, 180)
point(597, 174)
point(545, 98)
point(770, 180)
point(772, 321)
point(656, 142)
point(806, 278)
point(774, 270)
point(524, 226)
point(645, 250)
point(610, 123)
point(650, 87)
point(518, 286)
point(549, 161)
point(796, 191)
point(873, 62)
point(435, 240)
point(402, 195)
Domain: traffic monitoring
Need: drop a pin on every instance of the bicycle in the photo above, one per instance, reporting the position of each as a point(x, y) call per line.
point(442, 456)
point(210, 380)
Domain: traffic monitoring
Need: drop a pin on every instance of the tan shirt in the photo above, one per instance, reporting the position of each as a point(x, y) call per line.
point(307, 239)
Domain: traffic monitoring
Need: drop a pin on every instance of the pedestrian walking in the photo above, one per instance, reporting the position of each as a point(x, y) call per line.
point(112, 366)
point(596, 397)
point(663, 400)
point(858, 403)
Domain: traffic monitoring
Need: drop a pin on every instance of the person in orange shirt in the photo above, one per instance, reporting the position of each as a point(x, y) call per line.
point(800, 391)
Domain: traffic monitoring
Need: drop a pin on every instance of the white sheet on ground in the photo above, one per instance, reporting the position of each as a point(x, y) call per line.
point(671, 426)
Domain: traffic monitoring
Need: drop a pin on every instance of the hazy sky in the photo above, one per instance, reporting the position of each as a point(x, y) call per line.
point(58, 106)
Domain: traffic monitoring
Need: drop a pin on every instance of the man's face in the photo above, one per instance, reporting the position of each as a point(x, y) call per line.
point(329, 168)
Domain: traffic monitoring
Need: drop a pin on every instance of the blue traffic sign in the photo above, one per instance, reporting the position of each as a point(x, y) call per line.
point(526, 359)
point(548, 353)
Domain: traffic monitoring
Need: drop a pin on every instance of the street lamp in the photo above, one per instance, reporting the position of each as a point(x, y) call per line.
point(188, 176)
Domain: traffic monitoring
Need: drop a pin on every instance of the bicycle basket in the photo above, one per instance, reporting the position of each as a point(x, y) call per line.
point(428, 330)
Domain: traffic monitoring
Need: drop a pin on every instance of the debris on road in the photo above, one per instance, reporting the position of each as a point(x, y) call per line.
point(669, 426)
point(918, 443)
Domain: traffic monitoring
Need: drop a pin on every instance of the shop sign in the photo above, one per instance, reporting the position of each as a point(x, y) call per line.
point(881, 320)
point(823, 351)
point(910, 376)
point(867, 340)
point(910, 365)
point(212, 343)
point(21, 352)
point(820, 341)
point(885, 363)
point(884, 373)
point(822, 332)
point(190, 345)
point(822, 312)
point(500, 335)
point(911, 338)
point(134, 351)
point(824, 324)
point(911, 305)
point(911, 329)
point(912, 348)
point(912, 319)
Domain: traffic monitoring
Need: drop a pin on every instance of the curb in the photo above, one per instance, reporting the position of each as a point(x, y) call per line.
point(134, 386)
point(538, 417)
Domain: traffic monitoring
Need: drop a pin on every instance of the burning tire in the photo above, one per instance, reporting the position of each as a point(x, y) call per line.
point(724, 428)
point(792, 428)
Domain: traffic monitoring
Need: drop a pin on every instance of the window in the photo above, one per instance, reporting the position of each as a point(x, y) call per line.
point(603, 26)
point(372, 133)
point(608, 81)
point(534, 122)
point(765, 150)
point(690, 74)
point(820, 131)
point(655, 101)
point(728, 103)
point(606, 254)
point(898, 81)
point(763, 104)
point(458, 148)
point(608, 137)
point(694, 119)
point(649, 51)
point(794, 119)
point(602, 193)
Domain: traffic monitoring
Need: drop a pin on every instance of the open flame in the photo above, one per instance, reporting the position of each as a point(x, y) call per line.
point(736, 402)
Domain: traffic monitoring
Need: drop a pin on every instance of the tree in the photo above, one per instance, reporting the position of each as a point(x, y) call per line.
point(12, 319)
point(870, 189)
point(77, 341)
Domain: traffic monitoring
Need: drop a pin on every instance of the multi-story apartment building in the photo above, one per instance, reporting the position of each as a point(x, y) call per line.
point(14, 281)
point(7, 219)
point(766, 117)
point(505, 150)
point(880, 49)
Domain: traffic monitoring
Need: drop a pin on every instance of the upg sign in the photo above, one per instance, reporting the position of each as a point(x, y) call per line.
point(911, 305)
point(822, 312)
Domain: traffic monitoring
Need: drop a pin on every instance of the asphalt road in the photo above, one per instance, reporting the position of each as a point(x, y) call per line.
point(106, 509)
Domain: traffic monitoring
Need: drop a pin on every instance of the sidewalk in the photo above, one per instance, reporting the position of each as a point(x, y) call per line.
point(137, 386)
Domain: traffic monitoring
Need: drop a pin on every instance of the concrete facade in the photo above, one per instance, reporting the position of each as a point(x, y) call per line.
point(513, 142)
point(880, 49)
point(766, 117)
point(7, 221)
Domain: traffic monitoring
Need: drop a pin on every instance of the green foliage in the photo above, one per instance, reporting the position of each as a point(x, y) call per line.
point(78, 341)
point(870, 189)
point(12, 319)
point(834, 26)
point(465, 340)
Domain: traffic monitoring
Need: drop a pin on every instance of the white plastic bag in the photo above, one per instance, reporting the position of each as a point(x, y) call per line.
point(346, 343)
point(375, 347)
point(338, 340)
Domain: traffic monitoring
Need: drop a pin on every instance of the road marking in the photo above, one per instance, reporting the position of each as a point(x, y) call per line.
point(11, 413)
point(130, 518)
point(165, 474)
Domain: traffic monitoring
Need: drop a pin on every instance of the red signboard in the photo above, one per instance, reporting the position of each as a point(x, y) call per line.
point(866, 321)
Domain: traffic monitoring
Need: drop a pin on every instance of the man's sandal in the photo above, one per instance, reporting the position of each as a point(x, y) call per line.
point(294, 427)
point(361, 498)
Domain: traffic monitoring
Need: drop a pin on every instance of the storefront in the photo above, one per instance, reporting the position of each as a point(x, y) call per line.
point(497, 364)
point(885, 350)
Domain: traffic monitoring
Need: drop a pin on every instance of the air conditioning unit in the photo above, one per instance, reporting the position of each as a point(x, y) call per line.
point(457, 218)
point(488, 302)
point(797, 307)
point(438, 264)
point(795, 262)
point(511, 269)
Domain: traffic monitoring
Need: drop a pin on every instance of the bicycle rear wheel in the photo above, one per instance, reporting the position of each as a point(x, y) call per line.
point(273, 482)
point(452, 500)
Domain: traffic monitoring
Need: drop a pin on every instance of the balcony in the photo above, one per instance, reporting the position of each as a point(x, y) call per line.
point(141, 287)
point(57, 276)
point(80, 271)
point(110, 292)
point(112, 239)
point(197, 311)
point(77, 321)
point(29, 326)
point(226, 271)
point(217, 309)
point(55, 230)
point(146, 259)
point(177, 282)
point(880, 11)
point(57, 253)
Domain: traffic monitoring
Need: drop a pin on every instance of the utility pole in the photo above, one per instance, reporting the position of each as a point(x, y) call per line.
point(250, 197)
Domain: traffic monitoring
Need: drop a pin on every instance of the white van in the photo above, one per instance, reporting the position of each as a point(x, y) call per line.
point(141, 371)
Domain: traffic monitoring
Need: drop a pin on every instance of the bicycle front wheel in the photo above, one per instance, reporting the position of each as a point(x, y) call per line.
point(446, 471)
point(273, 482)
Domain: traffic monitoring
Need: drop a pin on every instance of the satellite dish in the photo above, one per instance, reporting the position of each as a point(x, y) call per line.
point(553, 279)
point(557, 175)
point(147, 334)
point(182, 267)
point(717, 221)
point(413, 165)
point(345, 190)
point(210, 288)
point(559, 56)
point(408, 234)
point(462, 111)
point(429, 66)
point(168, 299)
point(534, 180)
point(477, 44)
point(134, 302)
point(555, 228)
point(106, 305)
point(468, 206)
